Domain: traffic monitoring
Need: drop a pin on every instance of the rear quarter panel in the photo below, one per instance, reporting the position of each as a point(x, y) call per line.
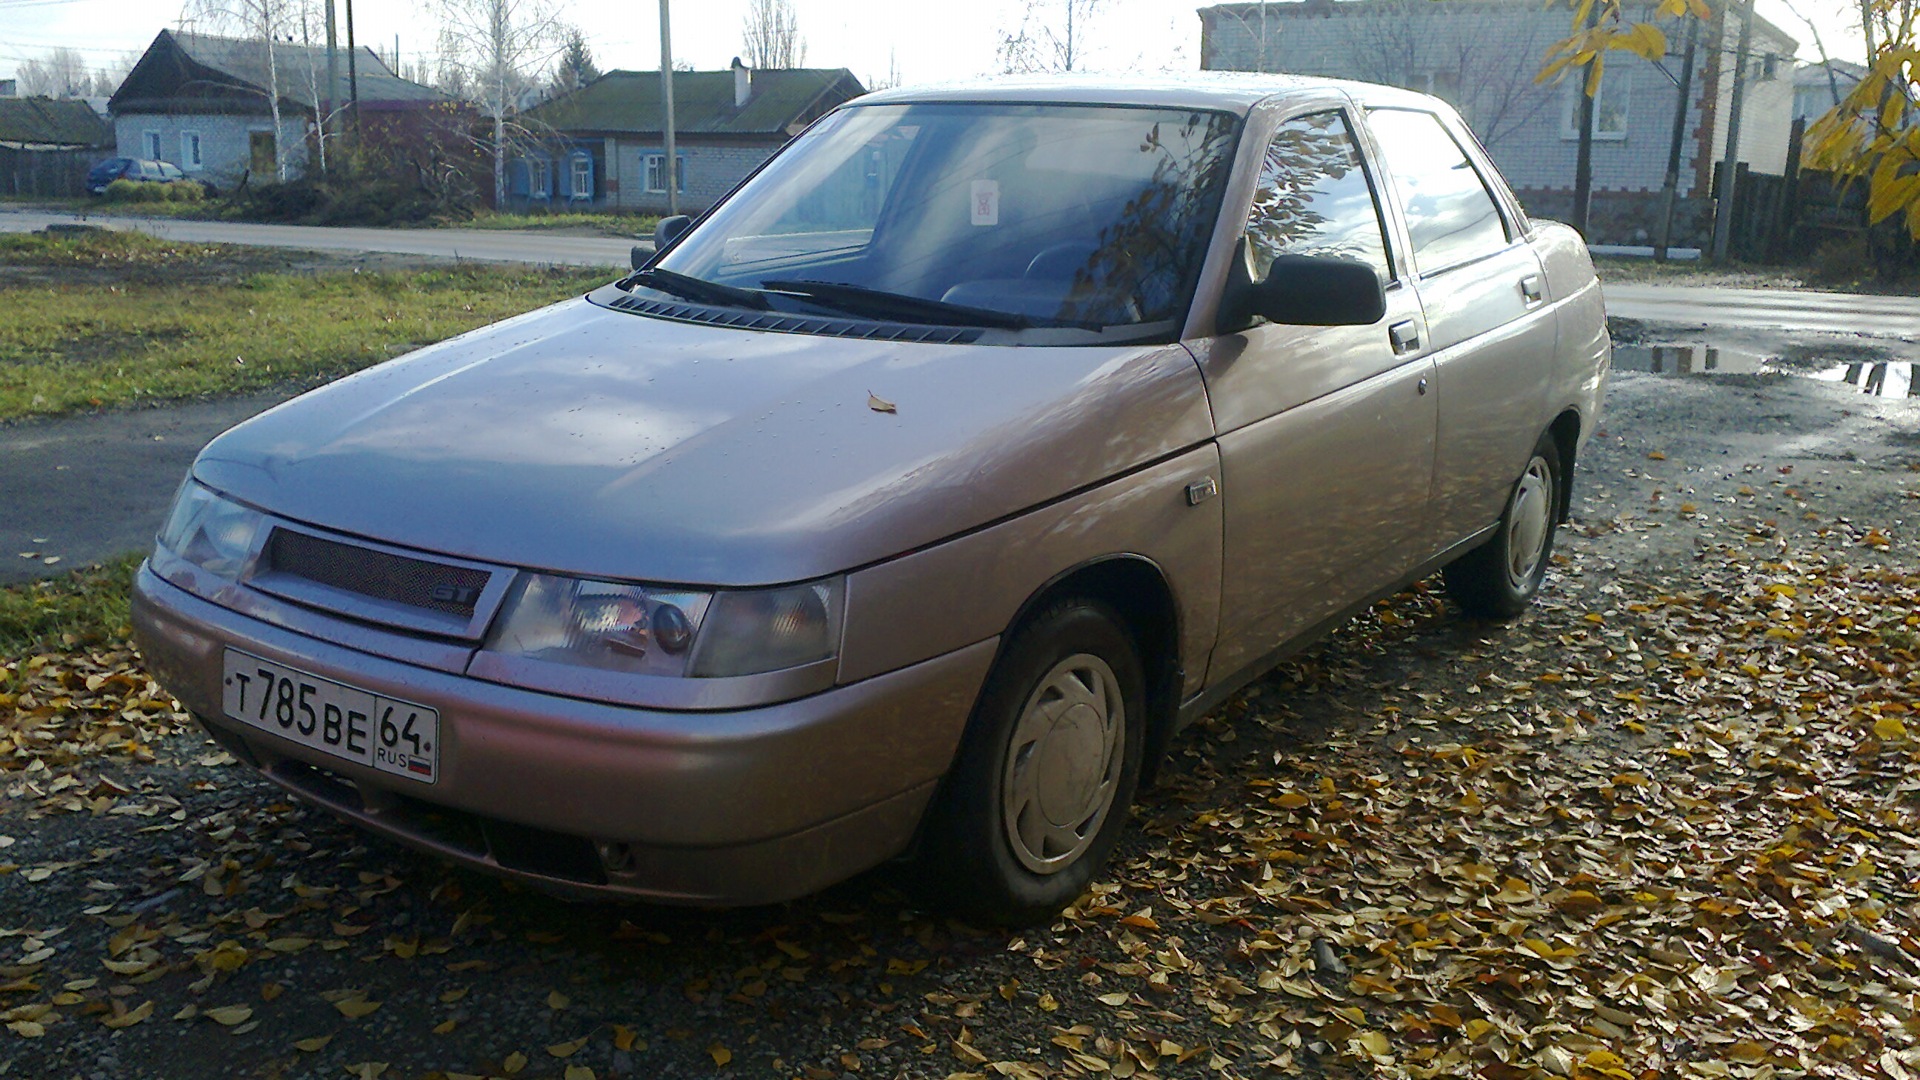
point(1585, 356)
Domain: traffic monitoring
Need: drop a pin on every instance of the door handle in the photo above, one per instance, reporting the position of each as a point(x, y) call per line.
point(1405, 336)
point(1532, 289)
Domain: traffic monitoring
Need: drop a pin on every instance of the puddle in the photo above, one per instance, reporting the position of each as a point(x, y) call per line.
point(1881, 378)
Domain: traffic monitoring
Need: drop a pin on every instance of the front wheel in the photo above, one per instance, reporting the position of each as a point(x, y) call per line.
point(1040, 789)
point(1497, 579)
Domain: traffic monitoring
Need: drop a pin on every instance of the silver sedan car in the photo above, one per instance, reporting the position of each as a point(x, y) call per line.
point(905, 504)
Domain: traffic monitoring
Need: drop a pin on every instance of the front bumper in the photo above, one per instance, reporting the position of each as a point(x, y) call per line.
point(721, 808)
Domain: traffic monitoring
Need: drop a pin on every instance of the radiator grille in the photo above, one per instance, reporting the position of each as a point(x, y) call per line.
point(382, 575)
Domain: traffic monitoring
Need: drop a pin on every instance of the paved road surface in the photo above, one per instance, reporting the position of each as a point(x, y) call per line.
point(1768, 309)
point(486, 245)
point(85, 488)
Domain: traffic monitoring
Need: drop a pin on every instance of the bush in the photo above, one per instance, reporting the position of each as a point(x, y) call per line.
point(187, 191)
point(138, 191)
point(363, 188)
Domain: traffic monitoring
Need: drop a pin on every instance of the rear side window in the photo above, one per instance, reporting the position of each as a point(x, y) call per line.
point(1313, 198)
point(1451, 216)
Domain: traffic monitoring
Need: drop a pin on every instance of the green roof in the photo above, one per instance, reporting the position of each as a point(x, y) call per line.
point(47, 122)
point(629, 102)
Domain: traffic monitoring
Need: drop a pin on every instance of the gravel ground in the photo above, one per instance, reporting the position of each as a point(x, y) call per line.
point(1297, 894)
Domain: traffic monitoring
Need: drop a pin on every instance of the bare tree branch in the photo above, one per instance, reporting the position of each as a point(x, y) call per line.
point(772, 38)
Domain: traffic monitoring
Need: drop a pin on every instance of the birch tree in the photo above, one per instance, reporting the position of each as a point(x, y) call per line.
point(267, 22)
point(772, 36)
point(58, 74)
point(497, 48)
point(1051, 36)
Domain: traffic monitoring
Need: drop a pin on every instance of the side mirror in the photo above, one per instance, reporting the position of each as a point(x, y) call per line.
point(669, 230)
point(1305, 290)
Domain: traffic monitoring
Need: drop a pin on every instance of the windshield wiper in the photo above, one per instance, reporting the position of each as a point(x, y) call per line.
point(700, 289)
point(877, 303)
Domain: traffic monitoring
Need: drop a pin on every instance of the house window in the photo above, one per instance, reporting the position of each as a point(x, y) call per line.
point(152, 139)
point(657, 172)
point(542, 179)
point(190, 149)
point(1609, 107)
point(582, 172)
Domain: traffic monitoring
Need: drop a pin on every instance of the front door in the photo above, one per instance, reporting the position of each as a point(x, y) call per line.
point(261, 157)
point(1327, 433)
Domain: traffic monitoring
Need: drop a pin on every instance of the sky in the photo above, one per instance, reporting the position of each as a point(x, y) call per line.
point(924, 40)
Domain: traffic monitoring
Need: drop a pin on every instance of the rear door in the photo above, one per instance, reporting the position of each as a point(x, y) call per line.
point(1326, 433)
point(1484, 296)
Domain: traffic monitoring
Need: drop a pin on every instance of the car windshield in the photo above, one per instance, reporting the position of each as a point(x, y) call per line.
point(1015, 216)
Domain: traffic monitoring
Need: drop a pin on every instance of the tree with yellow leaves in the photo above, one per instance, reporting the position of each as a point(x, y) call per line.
point(1873, 133)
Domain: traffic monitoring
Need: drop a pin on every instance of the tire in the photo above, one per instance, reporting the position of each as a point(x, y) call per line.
point(1039, 791)
point(1500, 577)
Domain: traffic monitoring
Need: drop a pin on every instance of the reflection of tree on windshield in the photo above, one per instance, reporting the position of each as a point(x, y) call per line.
point(1144, 261)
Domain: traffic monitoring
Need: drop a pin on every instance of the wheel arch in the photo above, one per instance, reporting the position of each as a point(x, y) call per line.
point(1565, 432)
point(1137, 589)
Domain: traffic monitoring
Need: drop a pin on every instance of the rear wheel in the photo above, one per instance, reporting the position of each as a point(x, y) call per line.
point(1497, 579)
point(1040, 789)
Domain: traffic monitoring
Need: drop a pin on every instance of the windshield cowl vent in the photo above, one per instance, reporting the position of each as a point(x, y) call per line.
point(780, 322)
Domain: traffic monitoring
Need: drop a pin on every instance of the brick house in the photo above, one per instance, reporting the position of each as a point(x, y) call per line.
point(601, 146)
point(1482, 55)
point(202, 103)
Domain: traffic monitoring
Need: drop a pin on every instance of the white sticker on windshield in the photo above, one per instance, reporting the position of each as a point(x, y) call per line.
point(986, 202)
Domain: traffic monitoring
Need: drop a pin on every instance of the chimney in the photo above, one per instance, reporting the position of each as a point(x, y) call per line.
point(742, 83)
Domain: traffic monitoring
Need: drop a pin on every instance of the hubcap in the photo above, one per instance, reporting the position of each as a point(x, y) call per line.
point(1064, 764)
point(1529, 520)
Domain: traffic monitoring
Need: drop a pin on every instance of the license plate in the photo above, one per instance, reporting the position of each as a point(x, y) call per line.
point(381, 733)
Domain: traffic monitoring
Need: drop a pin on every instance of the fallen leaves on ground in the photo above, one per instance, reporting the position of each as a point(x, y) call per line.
point(1670, 829)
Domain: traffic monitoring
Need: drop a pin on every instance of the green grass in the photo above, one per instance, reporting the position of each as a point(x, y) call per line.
point(156, 321)
point(85, 607)
point(608, 223)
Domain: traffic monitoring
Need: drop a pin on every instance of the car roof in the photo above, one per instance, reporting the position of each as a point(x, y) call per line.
point(1227, 91)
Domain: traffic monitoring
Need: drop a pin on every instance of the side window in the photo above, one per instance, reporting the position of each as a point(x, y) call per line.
point(1450, 215)
point(1313, 198)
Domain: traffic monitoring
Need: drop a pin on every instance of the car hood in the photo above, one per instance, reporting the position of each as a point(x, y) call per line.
point(596, 442)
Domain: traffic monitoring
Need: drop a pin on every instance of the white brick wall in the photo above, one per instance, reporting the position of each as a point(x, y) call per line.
point(224, 141)
point(712, 171)
point(1482, 56)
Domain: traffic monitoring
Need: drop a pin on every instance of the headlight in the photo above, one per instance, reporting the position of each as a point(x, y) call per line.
point(645, 630)
point(210, 532)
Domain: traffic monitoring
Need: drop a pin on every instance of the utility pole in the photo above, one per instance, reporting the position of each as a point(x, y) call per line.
point(672, 163)
point(1723, 206)
point(1583, 162)
point(353, 73)
point(333, 80)
point(1670, 188)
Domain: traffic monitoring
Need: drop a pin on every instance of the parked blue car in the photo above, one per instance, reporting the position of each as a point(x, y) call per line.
point(120, 168)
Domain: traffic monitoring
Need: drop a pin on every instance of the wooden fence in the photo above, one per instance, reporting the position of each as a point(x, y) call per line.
point(51, 173)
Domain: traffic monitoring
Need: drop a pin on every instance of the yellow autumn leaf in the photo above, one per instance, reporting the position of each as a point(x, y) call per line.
point(567, 1049)
point(1890, 728)
point(623, 1037)
point(445, 1027)
point(130, 1017)
point(514, 1063)
point(355, 1008)
point(720, 1054)
point(313, 1045)
point(557, 1000)
point(229, 1015)
point(578, 1072)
